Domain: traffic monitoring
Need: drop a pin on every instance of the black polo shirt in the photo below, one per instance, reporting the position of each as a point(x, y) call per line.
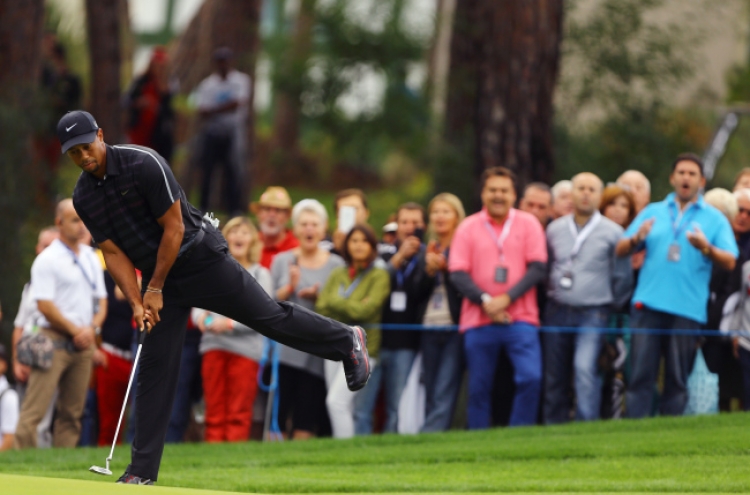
point(138, 188)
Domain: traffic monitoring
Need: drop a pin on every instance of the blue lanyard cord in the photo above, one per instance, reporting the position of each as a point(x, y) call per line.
point(684, 221)
point(271, 351)
point(92, 283)
point(403, 273)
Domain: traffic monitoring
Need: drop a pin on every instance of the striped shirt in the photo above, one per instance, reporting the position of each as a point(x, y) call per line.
point(124, 206)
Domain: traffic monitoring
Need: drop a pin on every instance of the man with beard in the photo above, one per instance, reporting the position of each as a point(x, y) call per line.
point(273, 211)
point(683, 237)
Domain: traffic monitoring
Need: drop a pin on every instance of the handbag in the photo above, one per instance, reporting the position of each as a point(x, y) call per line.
point(703, 389)
point(35, 350)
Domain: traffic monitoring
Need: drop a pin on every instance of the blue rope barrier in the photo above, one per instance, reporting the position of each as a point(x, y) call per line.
point(555, 329)
point(271, 351)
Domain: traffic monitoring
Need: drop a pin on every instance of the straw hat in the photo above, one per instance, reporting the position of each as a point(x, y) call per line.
point(274, 197)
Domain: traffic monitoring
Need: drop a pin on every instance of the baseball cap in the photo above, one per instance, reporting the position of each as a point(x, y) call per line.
point(76, 127)
point(390, 227)
point(275, 197)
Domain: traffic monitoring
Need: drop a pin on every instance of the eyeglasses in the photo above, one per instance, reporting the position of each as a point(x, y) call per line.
point(743, 211)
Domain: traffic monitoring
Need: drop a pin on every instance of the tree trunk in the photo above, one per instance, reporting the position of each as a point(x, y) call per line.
point(21, 117)
point(285, 159)
point(504, 65)
point(104, 39)
point(232, 23)
point(439, 63)
point(21, 26)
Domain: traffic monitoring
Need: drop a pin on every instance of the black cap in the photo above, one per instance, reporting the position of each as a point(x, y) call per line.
point(3, 354)
point(77, 127)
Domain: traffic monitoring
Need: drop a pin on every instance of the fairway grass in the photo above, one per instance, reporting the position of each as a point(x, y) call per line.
point(693, 454)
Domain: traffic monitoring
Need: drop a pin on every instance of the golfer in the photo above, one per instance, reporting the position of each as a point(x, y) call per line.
point(138, 214)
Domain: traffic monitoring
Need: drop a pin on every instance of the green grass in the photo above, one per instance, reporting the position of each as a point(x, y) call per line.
point(694, 454)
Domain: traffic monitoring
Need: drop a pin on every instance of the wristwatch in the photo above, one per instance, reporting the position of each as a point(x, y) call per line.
point(706, 250)
point(486, 297)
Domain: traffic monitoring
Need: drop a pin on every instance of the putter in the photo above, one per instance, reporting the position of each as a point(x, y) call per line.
point(105, 470)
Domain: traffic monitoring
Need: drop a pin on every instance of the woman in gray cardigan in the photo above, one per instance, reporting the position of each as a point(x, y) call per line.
point(298, 276)
point(230, 350)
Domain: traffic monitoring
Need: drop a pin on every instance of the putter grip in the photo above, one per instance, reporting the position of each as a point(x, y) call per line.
point(142, 336)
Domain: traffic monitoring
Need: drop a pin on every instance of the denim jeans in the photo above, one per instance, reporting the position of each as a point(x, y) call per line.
point(365, 400)
point(442, 366)
point(646, 349)
point(578, 352)
point(395, 365)
point(482, 346)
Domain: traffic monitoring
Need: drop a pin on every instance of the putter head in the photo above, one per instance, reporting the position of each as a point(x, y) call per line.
point(100, 470)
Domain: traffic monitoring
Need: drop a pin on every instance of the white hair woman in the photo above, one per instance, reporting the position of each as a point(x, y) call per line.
point(716, 351)
point(724, 201)
point(298, 276)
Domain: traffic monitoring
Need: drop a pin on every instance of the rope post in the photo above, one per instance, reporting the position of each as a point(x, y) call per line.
point(271, 430)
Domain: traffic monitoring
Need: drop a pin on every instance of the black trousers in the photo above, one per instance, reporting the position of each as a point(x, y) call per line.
point(209, 278)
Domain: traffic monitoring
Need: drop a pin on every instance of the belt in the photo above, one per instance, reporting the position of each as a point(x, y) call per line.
point(66, 342)
point(62, 333)
point(116, 351)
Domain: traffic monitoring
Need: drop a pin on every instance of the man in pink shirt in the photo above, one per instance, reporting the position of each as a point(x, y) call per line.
point(498, 256)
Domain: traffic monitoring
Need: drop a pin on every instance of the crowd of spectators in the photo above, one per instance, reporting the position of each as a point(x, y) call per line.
point(575, 298)
point(559, 305)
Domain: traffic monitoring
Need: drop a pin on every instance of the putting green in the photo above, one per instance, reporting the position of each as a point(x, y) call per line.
point(29, 485)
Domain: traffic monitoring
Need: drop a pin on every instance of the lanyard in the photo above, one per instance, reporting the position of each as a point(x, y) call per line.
point(499, 241)
point(681, 222)
point(401, 274)
point(583, 234)
point(355, 283)
point(91, 282)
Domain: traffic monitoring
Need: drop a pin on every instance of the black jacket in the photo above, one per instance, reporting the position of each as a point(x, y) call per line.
point(417, 286)
point(455, 299)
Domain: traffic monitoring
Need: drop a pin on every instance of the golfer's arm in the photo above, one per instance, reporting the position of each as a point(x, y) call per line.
point(122, 271)
point(169, 247)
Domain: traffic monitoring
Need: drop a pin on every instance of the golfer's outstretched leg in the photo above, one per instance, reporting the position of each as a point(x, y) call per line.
point(213, 280)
